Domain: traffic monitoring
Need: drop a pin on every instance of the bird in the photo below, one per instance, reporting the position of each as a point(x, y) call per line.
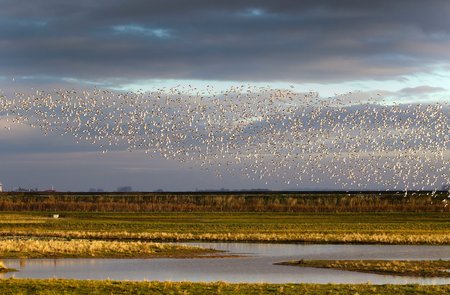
point(262, 133)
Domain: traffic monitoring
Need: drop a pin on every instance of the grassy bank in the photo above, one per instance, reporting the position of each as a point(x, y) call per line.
point(430, 268)
point(4, 269)
point(382, 228)
point(58, 286)
point(31, 248)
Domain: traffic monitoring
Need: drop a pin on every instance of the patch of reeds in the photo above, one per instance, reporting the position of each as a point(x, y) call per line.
point(4, 268)
point(226, 202)
point(34, 248)
point(391, 238)
point(423, 268)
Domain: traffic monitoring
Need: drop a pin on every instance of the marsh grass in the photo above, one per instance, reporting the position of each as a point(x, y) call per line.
point(424, 268)
point(356, 228)
point(227, 202)
point(32, 248)
point(4, 268)
point(387, 238)
point(61, 286)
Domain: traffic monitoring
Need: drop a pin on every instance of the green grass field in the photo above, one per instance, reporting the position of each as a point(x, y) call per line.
point(430, 228)
point(57, 286)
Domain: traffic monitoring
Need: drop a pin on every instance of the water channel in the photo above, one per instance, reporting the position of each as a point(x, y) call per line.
point(254, 264)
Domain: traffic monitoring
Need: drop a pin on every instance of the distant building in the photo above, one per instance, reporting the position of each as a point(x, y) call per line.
point(1, 187)
point(52, 190)
point(35, 190)
point(124, 189)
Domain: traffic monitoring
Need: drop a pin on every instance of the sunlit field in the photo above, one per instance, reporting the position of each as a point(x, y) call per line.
point(52, 248)
point(424, 268)
point(390, 227)
point(29, 229)
point(58, 286)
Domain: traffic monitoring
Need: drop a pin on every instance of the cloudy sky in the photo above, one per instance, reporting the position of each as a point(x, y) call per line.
point(398, 48)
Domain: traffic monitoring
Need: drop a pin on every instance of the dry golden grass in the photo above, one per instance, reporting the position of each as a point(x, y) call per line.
point(371, 228)
point(16, 219)
point(4, 268)
point(437, 238)
point(32, 248)
point(428, 268)
point(60, 286)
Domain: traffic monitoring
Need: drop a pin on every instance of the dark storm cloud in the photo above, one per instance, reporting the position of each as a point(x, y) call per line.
point(312, 41)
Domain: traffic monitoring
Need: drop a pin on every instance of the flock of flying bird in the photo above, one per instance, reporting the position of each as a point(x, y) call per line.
point(263, 133)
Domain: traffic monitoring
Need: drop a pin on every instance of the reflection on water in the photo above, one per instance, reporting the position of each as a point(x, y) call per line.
point(329, 251)
point(257, 266)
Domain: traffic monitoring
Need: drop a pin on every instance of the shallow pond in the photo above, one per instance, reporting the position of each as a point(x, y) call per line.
point(256, 266)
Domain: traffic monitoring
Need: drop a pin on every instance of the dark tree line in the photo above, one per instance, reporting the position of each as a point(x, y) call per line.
point(224, 202)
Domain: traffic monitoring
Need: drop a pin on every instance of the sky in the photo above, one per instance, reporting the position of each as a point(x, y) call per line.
point(397, 48)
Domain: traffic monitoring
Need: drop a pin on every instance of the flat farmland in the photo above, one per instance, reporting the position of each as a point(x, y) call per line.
point(430, 228)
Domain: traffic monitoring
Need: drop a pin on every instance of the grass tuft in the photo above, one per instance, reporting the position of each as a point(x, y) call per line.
point(32, 248)
point(420, 268)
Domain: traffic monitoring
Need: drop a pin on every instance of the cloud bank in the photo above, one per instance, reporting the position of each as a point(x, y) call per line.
point(299, 41)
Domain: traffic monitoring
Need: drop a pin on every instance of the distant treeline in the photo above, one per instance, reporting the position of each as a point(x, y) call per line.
point(228, 202)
